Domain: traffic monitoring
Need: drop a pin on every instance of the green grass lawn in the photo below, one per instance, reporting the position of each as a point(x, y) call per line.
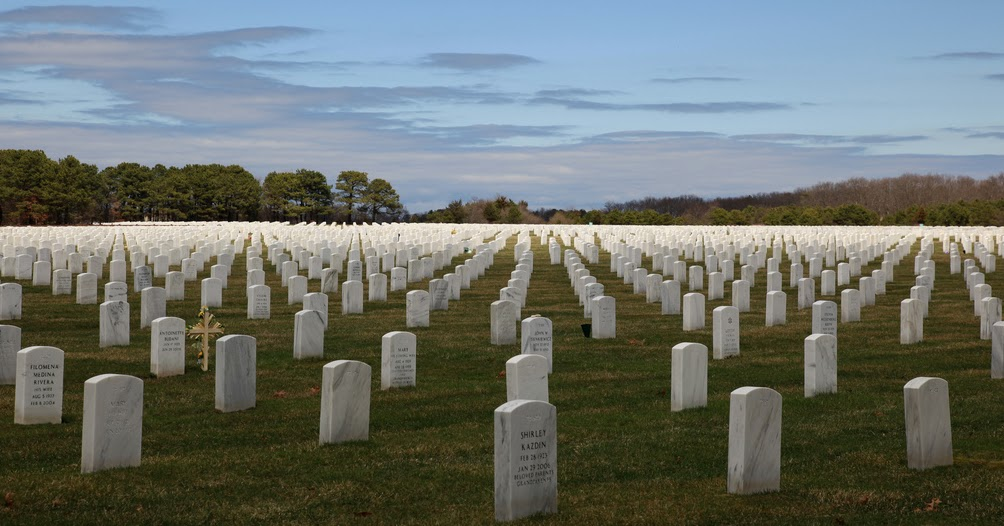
point(623, 457)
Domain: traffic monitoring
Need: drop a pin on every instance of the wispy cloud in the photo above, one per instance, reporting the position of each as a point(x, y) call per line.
point(995, 76)
point(489, 134)
point(190, 79)
point(646, 135)
point(966, 55)
point(829, 139)
point(11, 98)
point(685, 80)
point(983, 132)
point(102, 17)
point(475, 61)
point(986, 135)
point(669, 107)
point(573, 92)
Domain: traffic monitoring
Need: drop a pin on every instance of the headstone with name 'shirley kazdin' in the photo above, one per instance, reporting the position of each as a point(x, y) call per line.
point(526, 459)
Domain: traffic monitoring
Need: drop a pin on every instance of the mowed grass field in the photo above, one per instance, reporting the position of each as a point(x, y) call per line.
point(623, 457)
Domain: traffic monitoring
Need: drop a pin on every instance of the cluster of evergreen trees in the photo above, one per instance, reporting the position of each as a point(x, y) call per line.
point(36, 190)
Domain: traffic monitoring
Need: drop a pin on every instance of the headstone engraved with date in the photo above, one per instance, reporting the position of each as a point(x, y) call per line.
point(398, 357)
point(526, 459)
point(38, 394)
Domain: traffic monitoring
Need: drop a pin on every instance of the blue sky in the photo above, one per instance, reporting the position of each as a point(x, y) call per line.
point(563, 104)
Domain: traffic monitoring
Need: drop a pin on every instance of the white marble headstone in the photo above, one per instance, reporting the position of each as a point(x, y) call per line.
point(352, 297)
point(259, 302)
point(604, 317)
point(398, 357)
point(997, 351)
point(820, 364)
point(725, 332)
point(167, 347)
point(87, 289)
point(536, 338)
point(824, 317)
point(526, 377)
point(38, 393)
point(503, 318)
point(850, 305)
point(62, 282)
point(754, 441)
point(10, 344)
point(526, 459)
point(308, 334)
point(689, 378)
point(345, 401)
point(377, 287)
point(211, 292)
point(911, 322)
point(113, 423)
point(319, 302)
point(671, 297)
point(10, 301)
point(153, 305)
point(693, 311)
point(417, 309)
point(236, 372)
point(928, 423)
point(296, 287)
point(114, 324)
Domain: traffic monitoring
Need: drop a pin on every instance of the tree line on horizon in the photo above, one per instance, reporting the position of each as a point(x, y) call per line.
point(909, 199)
point(36, 190)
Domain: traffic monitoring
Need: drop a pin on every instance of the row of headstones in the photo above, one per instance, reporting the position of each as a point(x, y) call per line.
point(915, 309)
point(526, 447)
point(113, 404)
point(665, 252)
point(114, 312)
point(986, 306)
point(345, 398)
point(505, 313)
point(603, 319)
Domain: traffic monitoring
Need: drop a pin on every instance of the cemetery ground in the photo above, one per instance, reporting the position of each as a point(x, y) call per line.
point(623, 456)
